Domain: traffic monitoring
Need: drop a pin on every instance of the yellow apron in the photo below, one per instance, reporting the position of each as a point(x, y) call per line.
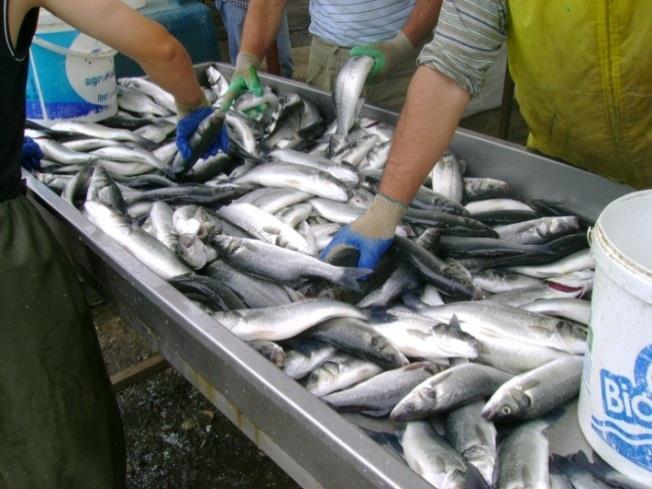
point(583, 75)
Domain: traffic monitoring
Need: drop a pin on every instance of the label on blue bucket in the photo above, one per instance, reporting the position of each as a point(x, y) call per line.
point(70, 87)
point(627, 404)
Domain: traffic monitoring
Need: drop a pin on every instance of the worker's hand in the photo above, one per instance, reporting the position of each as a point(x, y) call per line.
point(371, 234)
point(186, 128)
point(31, 155)
point(387, 55)
point(245, 78)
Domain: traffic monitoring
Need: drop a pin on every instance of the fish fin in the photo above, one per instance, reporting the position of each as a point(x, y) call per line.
point(378, 314)
point(376, 413)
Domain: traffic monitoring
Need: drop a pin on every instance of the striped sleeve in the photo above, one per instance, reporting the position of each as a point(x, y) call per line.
point(467, 39)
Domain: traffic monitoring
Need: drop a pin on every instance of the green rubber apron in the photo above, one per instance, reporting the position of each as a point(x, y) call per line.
point(59, 422)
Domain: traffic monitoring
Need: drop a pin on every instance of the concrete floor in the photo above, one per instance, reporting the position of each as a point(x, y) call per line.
point(175, 438)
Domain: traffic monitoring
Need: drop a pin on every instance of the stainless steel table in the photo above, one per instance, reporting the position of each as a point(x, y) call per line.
point(315, 445)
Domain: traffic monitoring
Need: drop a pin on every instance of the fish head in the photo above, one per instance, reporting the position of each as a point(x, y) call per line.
point(505, 406)
point(390, 352)
point(192, 250)
point(414, 404)
point(208, 225)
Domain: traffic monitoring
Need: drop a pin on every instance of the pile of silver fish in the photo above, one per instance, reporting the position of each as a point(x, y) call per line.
point(468, 338)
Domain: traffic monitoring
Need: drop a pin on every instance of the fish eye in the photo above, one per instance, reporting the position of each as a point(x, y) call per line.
point(506, 410)
point(374, 341)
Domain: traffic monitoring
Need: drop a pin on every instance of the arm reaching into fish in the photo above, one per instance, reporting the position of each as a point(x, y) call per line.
point(391, 53)
point(260, 29)
point(422, 135)
point(158, 53)
point(371, 234)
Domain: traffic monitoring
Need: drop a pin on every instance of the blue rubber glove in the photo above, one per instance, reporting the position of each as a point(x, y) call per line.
point(370, 249)
point(187, 126)
point(32, 155)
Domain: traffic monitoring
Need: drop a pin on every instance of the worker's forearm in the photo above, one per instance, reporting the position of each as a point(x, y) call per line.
point(173, 72)
point(422, 20)
point(432, 111)
point(261, 25)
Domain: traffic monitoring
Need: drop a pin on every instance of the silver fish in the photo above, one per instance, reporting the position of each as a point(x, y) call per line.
point(156, 132)
point(400, 279)
point(572, 263)
point(421, 337)
point(378, 395)
point(151, 89)
point(524, 458)
point(489, 205)
point(306, 179)
point(334, 211)
point(283, 322)
point(348, 88)
point(303, 356)
point(448, 390)
point(129, 155)
point(357, 151)
point(194, 251)
point(383, 130)
point(499, 281)
point(126, 168)
point(270, 350)
point(255, 292)
point(534, 393)
point(514, 356)
point(160, 217)
point(484, 188)
point(218, 82)
point(574, 309)
point(184, 220)
point(88, 144)
point(265, 227)
point(430, 456)
point(475, 438)
point(540, 230)
point(143, 246)
point(282, 264)
point(447, 178)
point(356, 337)
point(63, 155)
point(104, 190)
point(376, 158)
point(339, 372)
point(343, 172)
point(431, 296)
point(518, 298)
point(294, 215)
point(243, 133)
point(484, 318)
point(135, 101)
point(96, 130)
point(273, 199)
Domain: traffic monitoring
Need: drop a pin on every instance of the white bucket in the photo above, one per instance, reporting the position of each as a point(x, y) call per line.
point(71, 75)
point(615, 408)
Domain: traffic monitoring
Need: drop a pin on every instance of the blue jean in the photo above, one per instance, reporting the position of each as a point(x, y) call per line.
point(233, 18)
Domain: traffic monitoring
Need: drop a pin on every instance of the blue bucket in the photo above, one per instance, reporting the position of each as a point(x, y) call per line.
point(71, 75)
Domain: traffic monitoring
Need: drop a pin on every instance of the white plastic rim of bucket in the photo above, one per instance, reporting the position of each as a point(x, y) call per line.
point(622, 243)
point(55, 48)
